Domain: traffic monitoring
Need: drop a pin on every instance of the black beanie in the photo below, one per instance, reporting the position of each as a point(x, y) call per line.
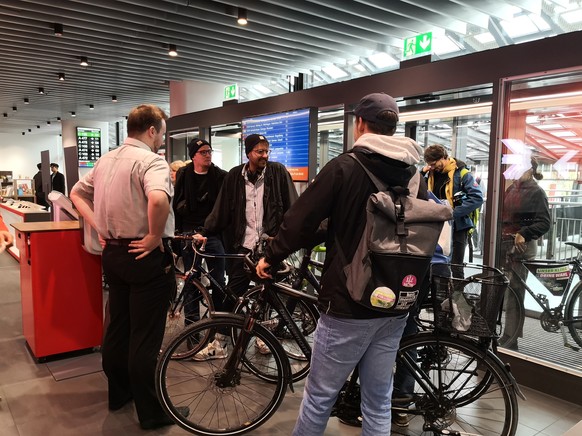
point(195, 145)
point(253, 140)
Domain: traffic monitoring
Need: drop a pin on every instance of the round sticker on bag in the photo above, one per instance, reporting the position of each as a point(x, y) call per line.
point(409, 281)
point(383, 297)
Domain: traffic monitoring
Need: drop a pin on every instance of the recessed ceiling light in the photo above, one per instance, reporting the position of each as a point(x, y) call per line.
point(48, 123)
point(41, 90)
point(114, 99)
point(38, 127)
point(62, 77)
point(29, 130)
point(84, 61)
point(73, 114)
point(14, 108)
point(5, 115)
point(24, 133)
point(26, 101)
point(58, 118)
point(91, 107)
point(172, 51)
point(58, 29)
point(242, 17)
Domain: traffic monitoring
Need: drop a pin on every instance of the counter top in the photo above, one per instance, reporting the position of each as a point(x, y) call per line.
point(47, 226)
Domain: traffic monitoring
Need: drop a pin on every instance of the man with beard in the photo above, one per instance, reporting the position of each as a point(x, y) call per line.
point(251, 204)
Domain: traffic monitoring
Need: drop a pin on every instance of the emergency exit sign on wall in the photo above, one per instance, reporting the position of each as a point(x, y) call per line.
point(231, 92)
point(418, 45)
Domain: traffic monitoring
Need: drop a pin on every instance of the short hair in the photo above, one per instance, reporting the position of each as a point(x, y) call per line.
point(435, 152)
point(39, 166)
point(381, 129)
point(143, 117)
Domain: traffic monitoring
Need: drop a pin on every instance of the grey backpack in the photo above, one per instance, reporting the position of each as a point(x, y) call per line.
point(393, 256)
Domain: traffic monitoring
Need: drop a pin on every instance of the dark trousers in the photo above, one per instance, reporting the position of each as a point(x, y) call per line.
point(139, 296)
point(403, 379)
point(458, 251)
point(216, 267)
point(238, 278)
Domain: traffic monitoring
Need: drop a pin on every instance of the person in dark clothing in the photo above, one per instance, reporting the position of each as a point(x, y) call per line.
point(450, 179)
point(249, 208)
point(195, 193)
point(525, 218)
point(57, 179)
point(349, 334)
point(40, 197)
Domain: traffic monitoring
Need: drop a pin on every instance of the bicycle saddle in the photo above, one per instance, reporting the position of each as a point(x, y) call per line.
point(575, 245)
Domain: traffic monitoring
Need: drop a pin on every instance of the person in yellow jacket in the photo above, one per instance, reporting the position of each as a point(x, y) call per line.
point(449, 179)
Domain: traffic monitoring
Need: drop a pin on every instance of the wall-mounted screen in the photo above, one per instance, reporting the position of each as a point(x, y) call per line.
point(88, 146)
point(288, 135)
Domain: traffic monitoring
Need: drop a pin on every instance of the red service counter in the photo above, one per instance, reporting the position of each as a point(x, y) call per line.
point(61, 287)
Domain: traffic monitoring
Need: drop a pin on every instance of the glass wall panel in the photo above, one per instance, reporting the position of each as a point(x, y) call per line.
point(542, 153)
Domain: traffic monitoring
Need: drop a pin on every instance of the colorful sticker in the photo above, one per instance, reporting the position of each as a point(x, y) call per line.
point(383, 297)
point(406, 300)
point(409, 281)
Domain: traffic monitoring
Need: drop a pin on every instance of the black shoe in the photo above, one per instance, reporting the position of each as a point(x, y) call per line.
point(150, 425)
point(402, 399)
point(354, 421)
point(118, 405)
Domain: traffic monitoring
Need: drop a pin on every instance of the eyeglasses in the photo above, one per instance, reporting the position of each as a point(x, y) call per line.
point(205, 152)
point(262, 152)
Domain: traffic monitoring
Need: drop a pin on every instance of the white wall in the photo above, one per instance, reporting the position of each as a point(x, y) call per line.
point(20, 153)
point(191, 96)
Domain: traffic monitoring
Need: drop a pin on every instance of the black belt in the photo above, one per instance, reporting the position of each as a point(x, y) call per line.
point(124, 242)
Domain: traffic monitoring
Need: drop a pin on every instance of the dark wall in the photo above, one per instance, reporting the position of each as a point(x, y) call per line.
point(412, 79)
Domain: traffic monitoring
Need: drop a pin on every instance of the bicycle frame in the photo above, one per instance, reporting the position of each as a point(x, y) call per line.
point(552, 314)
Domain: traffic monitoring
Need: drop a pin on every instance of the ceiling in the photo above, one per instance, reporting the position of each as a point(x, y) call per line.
point(126, 43)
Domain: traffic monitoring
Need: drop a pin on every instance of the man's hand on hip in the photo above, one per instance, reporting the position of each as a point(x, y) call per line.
point(146, 245)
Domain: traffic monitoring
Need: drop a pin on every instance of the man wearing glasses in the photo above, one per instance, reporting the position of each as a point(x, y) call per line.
point(196, 191)
point(251, 204)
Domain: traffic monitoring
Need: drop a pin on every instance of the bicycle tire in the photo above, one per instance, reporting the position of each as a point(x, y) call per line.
point(574, 310)
point(242, 406)
point(512, 308)
point(177, 320)
point(452, 396)
point(305, 316)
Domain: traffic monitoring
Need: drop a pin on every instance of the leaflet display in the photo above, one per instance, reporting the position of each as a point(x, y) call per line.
point(288, 135)
point(88, 146)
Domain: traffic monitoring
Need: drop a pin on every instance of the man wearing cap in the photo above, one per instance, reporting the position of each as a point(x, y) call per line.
point(250, 207)
point(57, 179)
point(349, 334)
point(195, 193)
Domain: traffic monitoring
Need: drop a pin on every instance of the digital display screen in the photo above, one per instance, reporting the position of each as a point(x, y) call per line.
point(288, 136)
point(88, 146)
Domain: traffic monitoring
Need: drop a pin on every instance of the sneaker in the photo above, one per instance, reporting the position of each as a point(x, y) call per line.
point(354, 421)
point(214, 350)
point(401, 419)
point(261, 346)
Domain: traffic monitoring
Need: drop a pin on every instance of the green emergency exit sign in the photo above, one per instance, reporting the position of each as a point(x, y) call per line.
point(231, 92)
point(417, 45)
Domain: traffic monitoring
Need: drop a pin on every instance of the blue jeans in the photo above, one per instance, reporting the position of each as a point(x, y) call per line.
point(339, 344)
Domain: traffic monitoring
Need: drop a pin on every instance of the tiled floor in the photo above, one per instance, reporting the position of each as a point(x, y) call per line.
point(34, 403)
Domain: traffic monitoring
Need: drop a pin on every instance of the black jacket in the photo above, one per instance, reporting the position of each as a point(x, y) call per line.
point(526, 210)
point(58, 182)
point(187, 202)
point(228, 215)
point(340, 191)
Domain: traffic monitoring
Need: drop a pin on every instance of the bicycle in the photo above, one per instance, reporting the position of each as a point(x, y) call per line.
point(238, 393)
point(557, 277)
point(301, 308)
point(459, 386)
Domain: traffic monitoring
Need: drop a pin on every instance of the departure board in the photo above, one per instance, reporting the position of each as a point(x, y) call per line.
point(288, 136)
point(88, 146)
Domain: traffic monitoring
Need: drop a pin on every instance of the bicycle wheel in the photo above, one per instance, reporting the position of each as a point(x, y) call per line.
point(574, 312)
point(223, 399)
point(192, 303)
point(459, 388)
point(305, 316)
point(512, 314)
